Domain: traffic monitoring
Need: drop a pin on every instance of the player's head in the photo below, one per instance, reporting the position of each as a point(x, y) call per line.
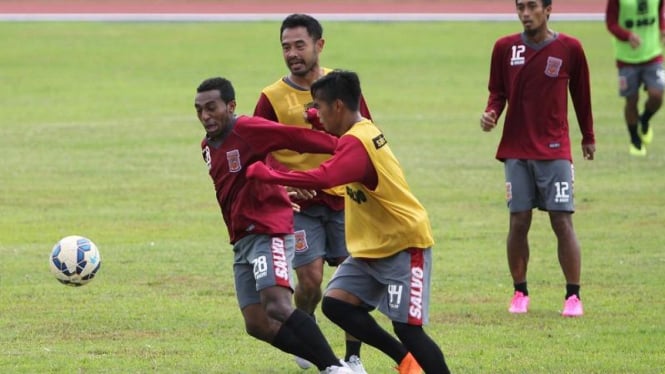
point(545, 3)
point(534, 15)
point(336, 94)
point(215, 104)
point(302, 41)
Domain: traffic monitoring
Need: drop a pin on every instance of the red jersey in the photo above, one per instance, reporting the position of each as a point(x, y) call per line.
point(251, 206)
point(534, 81)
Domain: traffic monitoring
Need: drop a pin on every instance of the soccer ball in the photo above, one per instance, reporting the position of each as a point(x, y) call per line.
point(75, 260)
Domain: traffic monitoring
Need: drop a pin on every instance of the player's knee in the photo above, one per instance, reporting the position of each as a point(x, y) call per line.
point(333, 308)
point(279, 310)
point(256, 330)
point(310, 285)
point(310, 276)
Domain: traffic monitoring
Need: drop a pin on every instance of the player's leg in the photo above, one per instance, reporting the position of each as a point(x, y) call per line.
point(520, 198)
point(310, 250)
point(568, 247)
point(629, 85)
point(298, 334)
point(336, 253)
point(556, 181)
point(654, 81)
point(257, 322)
point(570, 260)
point(308, 264)
point(308, 289)
point(408, 276)
point(351, 313)
point(518, 245)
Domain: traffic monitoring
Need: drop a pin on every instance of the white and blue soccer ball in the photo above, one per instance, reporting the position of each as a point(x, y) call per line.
point(75, 260)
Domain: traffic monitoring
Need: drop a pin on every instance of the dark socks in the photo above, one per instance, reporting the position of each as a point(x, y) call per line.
point(313, 345)
point(634, 136)
point(644, 119)
point(358, 320)
point(422, 347)
point(352, 349)
point(521, 287)
point(288, 342)
point(572, 289)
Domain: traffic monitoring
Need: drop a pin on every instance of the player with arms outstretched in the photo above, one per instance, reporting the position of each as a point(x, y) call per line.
point(259, 220)
point(388, 232)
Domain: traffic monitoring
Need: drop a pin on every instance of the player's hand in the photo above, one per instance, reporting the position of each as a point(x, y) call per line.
point(488, 121)
point(312, 117)
point(258, 170)
point(634, 41)
point(295, 207)
point(300, 193)
point(588, 151)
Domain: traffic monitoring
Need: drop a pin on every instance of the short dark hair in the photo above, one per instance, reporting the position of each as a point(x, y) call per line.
point(544, 2)
point(223, 85)
point(341, 85)
point(314, 28)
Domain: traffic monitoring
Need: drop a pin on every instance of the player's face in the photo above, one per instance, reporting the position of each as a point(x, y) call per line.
point(329, 116)
point(301, 52)
point(532, 15)
point(214, 114)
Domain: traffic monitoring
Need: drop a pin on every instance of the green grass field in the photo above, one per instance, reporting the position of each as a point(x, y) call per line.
point(99, 138)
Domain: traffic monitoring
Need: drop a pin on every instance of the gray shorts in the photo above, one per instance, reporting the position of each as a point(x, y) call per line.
point(631, 78)
point(261, 261)
point(398, 286)
point(319, 233)
point(546, 185)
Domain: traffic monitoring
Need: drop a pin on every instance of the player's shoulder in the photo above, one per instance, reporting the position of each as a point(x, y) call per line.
point(509, 39)
point(277, 85)
point(244, 122)
point(569, 40)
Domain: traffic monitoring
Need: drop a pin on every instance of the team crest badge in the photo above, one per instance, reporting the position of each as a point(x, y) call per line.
point(553, 67)
point(509, 191)
point(233, 157)
point(301, 240)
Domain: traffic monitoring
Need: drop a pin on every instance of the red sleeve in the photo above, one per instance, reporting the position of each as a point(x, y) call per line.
point(264, 108)
point(497, 87)
point(612, 21)
point(267, 136)
point(364, 110)
point(350, 163)
point(580, 92)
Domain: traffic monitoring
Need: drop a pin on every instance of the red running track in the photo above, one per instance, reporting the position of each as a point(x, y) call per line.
point(284, 6)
